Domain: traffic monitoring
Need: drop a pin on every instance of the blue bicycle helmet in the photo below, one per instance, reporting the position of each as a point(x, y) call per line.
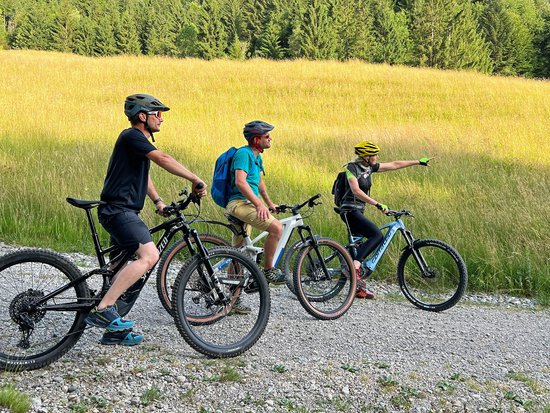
point(256, 128)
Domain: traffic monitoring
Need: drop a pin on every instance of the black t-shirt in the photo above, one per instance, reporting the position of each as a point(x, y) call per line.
point(128, 173)
point(364, 179)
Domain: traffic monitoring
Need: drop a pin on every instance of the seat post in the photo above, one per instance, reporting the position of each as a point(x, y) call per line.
point(97, 245)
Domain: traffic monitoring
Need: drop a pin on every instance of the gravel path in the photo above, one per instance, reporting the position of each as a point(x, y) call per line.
point(486, 354)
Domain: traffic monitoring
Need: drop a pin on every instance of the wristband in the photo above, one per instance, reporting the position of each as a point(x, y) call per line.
point(156, 201)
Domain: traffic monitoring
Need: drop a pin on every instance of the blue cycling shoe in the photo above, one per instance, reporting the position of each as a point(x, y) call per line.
point(123, 338)
point(108, 318)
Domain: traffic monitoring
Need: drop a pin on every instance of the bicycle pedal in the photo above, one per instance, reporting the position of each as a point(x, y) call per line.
point(252, 287)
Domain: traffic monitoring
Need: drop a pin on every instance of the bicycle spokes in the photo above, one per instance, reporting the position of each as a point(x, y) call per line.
point(432, 275)
point(39, 318)
point(221, 313)
point(324, 279)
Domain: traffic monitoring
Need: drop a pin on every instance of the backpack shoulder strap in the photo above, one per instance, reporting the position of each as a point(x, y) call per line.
point(348, 187)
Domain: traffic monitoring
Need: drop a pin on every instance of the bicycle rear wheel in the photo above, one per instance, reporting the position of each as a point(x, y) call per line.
point(32, 337)
point(172, 261)
point(206, 318)
point(324, 279)
point(432, 275)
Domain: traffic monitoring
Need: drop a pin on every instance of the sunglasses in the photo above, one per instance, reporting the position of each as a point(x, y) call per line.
point(157, 114)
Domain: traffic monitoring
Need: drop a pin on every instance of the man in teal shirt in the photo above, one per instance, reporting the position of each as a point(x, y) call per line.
point(247, 191)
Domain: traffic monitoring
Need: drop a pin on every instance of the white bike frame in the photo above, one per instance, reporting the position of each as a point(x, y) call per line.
point(288, 223)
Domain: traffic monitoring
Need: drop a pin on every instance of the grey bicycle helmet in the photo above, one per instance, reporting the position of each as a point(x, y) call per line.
point(142, 102)
point(256, 128)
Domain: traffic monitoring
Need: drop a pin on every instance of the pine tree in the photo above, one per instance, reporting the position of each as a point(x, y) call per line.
point(187, 41)
point(353, 26)
point(237, 49)
point(32, 27)
point(104, 42)
point(233, 18)
point(127, 39)
point(319, 37)
point(3, 32)
point(144, 18)
point(270, 43)
point(64, 26)
point(392, 42)
point(84, 37)
point(430, 25)
point(509, 37)
point(256, 14)
point(165, 28)
point(465, 48)
point(542, 43)
point(212, 35)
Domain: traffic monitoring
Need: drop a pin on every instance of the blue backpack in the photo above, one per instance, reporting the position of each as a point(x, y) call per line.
point(221, 182)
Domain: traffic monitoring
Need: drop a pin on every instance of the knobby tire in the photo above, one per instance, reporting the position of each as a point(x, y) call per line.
point(445, 282)
point(25, 276)
point(325, 296)
point(208, 324)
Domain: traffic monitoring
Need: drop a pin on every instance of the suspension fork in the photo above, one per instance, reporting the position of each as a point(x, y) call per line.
point(418, 257)
point(311, 240)
point(209, 277)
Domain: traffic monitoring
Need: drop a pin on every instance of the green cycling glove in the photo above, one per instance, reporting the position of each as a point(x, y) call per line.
point(424, 161)
point(382, 207)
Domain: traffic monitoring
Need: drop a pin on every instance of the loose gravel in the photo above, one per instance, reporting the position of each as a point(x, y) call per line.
point(488, 353)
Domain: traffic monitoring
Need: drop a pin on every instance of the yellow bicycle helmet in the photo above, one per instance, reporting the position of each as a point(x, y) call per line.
point(366, 148)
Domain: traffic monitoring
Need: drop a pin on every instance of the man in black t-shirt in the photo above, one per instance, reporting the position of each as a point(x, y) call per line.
point(126, 185)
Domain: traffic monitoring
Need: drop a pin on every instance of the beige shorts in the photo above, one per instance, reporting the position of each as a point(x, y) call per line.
point(246, 212)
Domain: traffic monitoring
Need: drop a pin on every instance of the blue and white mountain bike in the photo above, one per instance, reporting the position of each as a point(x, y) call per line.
point(431, 274)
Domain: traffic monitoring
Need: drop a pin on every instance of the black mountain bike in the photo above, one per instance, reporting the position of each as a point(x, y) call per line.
point(45, 298)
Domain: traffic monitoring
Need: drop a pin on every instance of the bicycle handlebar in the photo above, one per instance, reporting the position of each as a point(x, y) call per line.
point(294, 208)
point(399, 214)
point(182, 204)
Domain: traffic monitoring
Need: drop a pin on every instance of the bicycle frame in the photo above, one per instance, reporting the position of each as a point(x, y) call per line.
point(289, 225)
point(391, 229)
point(170, 228)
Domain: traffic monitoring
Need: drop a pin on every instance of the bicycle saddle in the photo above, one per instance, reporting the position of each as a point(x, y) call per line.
point(79, 203)
point(234, 220)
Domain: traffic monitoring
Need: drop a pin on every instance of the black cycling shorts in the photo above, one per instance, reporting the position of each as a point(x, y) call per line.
point(126, 229)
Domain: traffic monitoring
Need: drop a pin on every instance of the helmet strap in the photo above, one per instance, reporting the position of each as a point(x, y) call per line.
point(255, 144)
point(146, 125)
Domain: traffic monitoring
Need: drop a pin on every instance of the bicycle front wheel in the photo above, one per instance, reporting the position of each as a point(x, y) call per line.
point(172, 261)
point(432, 275)
point(289, 262)
point(324, 279)
point(33, 336)
point(224, 320)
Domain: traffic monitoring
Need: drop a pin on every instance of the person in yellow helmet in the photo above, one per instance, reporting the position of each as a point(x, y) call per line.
point(359, 177)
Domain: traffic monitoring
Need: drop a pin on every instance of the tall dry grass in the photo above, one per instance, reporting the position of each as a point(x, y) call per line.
point(486, 192)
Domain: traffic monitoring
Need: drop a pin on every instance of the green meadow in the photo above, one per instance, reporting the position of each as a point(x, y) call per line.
point(487, 192)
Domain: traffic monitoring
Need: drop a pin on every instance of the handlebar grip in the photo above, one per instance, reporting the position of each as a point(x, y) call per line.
point(194, 197)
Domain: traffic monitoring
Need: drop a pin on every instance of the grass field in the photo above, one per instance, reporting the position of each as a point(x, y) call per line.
point(486, 192)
